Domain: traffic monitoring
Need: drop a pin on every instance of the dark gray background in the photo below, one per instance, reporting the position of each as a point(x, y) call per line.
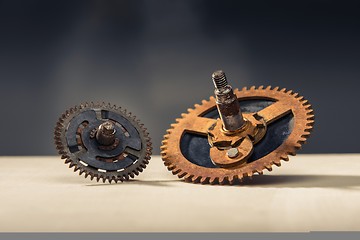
point(155, 58)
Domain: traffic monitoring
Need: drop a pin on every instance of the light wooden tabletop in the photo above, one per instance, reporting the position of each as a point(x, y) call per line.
point(309, 193)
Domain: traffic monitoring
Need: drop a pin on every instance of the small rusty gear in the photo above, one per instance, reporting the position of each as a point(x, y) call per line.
point(103, 142)
point(276, 123)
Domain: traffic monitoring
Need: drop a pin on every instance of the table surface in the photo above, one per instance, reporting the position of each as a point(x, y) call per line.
point(309, 193)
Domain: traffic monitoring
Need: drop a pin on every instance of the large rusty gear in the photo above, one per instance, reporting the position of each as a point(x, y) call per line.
point(199, 149)
point(103, 142)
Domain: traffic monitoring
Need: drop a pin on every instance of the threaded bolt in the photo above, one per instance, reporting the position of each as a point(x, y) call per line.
point(227, 103)
point(219, 79)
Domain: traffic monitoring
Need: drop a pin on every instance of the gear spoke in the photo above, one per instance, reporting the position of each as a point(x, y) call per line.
point(274, 111)
point(199, 125)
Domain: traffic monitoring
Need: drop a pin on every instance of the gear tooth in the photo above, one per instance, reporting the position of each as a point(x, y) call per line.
point(103, 179)
point(310, 116)
point(302, 140)
point(308, 107)
point(136, 172)
point(232, 179)
point(261, 87)
point(285, 158)
point(76, 168)
point(204, 180)
point(113, 178)
point(71, 165)
point(276, 88)
point(305, 135)
point(223, 180)
point(62, 152)
point(183, 115)
point(310, 122)
point(268, 88)
point(162, 147)
point(176, 171)
point(297, 146)
point(86, 174)
point(197, 105)
point(196, 179)
point(295, 94)
point(171, 166)
point(252, 88)
point(248, 175)
point(211, 99)
point(169, 130)
point(127, 178)
point(283, 90)
point(67, 160)
point(164, 142)
point(173, 125)
point(304, 102)
point(190, 110)
point(292, 152)
point(81, 171)
point(188, 177)
point(182, 174)
point(244, 89)
point(277, 163)
point(214, 180)
point(290, 92)
point(310, 112)
point(204, 102)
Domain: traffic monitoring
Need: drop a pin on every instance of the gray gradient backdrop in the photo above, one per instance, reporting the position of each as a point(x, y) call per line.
point(155, 58)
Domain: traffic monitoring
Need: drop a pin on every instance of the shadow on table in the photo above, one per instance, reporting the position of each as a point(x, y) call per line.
point(266, 181)
point(154, 183)
point(263, 181)
point(303, 181)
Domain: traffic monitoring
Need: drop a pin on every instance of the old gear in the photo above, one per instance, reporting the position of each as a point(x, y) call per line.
point(103, 142)
point(199, 148)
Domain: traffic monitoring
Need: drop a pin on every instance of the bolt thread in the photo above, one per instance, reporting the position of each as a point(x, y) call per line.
point(219, 79)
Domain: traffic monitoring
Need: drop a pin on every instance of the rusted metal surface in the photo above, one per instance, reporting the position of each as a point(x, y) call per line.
point(226, 103)
point(102, 142)
point(233, 169)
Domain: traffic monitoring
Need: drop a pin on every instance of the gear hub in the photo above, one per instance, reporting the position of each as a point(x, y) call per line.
point(237, 133)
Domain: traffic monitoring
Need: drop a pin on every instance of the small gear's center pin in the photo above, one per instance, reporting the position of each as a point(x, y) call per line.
point(105, 134)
